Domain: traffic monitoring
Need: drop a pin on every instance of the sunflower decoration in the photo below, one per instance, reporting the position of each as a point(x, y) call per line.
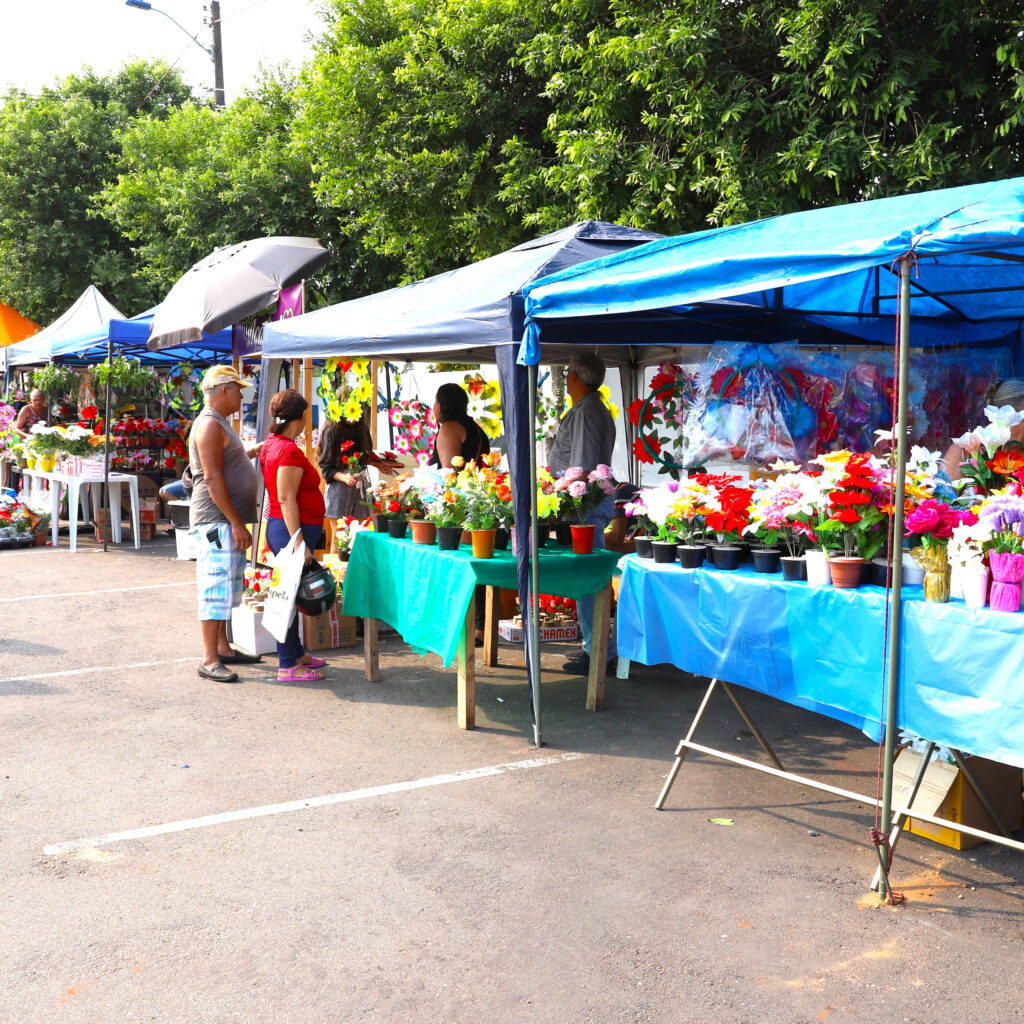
point(356, 389)
point(484, 403)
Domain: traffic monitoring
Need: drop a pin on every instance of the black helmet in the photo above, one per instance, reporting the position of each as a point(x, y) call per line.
point(317, 590)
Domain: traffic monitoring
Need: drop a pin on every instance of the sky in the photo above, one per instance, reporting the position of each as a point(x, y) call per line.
point(48, 39)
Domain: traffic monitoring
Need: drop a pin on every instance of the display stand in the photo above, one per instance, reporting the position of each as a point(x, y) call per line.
point(427, 595)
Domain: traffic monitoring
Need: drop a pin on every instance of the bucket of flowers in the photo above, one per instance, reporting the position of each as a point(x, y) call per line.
point(637, 511)
point(1004, 515)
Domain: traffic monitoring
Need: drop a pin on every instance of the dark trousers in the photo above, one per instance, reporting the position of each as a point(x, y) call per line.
point(278, 536)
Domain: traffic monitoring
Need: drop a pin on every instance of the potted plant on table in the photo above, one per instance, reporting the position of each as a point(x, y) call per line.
point(448, 513)
point(969, 572)
point(855, 519)
point(729, 517)
point(584, 492)
point(781, 511)
point(645, 529)
point(345, 534)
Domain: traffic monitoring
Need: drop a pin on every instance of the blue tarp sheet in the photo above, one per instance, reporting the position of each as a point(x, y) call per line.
point(822, 649)
point(833, 267)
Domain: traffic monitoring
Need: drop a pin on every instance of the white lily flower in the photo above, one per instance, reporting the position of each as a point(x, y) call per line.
point(1004, 416)
point(992, 437)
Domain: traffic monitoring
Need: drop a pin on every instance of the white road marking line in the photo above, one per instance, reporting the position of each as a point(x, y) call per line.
point(97, 668)
point(89, 593)
point(54, 849)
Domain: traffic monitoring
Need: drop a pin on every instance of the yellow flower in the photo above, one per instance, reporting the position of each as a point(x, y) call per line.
point(547, 505)
point(352, 410)
point(360, 367)
point(331, 365)
point(363, 391)
point(333, 409)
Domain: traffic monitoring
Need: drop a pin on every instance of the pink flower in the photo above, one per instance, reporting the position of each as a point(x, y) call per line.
point(601, 472)
point(577, 488)
point(396, 417)
point(415, 430)
point(574, 473)
point(562, 483)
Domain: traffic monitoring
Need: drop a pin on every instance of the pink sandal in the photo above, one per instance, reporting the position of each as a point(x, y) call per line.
point(315, 662)
point(298, 674)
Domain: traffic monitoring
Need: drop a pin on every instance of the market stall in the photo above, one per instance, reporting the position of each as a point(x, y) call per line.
point(940, 268)
point(472, 313)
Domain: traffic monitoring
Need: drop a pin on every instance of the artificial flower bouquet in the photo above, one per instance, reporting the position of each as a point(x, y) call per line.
point(584, 492)
point(256, 585)
point(856, 512)
point(781, 512)
point(732, 514)
point(990, 458)
point(1004, 515)
point(929, 528)
point(345, 533)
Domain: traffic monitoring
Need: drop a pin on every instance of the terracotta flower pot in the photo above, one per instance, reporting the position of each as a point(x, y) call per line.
point(397, 528)
point(483, 543)
point(766, 561)
point(582, 539)
point(423, 531)
point(449, 537)
point(794, 568)
point(643, 547)
point(466, 537)
point(846, 572)
point(728, 557)
point(691, 556)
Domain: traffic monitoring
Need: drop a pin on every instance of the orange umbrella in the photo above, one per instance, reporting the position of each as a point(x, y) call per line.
point(14, 327)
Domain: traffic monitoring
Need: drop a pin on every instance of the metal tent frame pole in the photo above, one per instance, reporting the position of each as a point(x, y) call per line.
point(109, 525)
point(533, 647)
point(896, 550)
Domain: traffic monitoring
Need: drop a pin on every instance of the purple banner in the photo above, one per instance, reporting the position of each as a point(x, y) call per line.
point(247, 336)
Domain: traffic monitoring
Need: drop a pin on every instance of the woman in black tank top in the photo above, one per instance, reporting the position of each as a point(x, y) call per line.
point(457, 434)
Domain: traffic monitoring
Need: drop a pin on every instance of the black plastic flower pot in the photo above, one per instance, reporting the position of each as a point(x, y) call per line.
point(563, 534)
point(397, 528)
point(448, 537)
point(380, 522)
point(766, 561)
point(793, 568)
point(691, 556)
point(664, 551)
point(501, 540)
point(727, 557)
point(643, 547)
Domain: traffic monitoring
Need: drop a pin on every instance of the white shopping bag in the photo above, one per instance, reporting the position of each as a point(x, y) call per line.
point(279, 609)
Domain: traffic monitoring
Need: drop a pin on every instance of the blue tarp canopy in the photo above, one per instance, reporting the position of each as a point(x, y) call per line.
point(128, 338)
point(470, 311)
point(830, 269)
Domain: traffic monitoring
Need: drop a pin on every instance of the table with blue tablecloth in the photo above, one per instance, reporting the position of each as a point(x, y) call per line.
point(426, 594)
point(822, 648)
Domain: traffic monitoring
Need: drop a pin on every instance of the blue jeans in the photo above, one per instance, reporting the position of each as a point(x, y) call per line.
point(600, 517)
point(278, 536)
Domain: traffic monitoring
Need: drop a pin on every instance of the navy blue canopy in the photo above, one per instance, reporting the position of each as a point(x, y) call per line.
point(470, 311)
point(831, 268)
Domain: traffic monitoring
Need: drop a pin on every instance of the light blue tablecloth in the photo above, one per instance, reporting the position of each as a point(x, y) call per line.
point(823, 649)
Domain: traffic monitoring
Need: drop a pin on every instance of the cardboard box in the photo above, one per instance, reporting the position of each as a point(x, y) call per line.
point(149, 491)
point(147, 512)
point(147, 530)
point(508, 630)
point(945, 793)
point(247, 631)
point(327, 631)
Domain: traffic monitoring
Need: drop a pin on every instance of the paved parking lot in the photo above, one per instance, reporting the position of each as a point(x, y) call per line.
point(447, 876)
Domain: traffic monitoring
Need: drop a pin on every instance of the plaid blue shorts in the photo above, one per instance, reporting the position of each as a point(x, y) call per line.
point(220, 570)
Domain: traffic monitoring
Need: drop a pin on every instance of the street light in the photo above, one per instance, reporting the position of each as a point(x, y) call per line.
point(214, 52)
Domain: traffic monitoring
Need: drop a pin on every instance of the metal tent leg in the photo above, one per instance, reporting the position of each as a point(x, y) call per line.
point(765, 745)
point(683, 748)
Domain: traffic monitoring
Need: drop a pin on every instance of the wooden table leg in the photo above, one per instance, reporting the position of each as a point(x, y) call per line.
point(467, 670)
point(491, 627)
point(599, 649)
point(371, 650)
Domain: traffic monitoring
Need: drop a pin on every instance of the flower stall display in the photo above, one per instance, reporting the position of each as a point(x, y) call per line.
point(345, 534)
point(583, 493)
point(990, 458)
point(967, 551)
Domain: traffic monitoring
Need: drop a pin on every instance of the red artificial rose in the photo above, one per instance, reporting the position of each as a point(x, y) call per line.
point(846, 515)
point(89, 411)
point(394, 506)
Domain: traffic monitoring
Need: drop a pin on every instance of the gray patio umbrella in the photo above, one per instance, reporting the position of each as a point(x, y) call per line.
point(231, 283)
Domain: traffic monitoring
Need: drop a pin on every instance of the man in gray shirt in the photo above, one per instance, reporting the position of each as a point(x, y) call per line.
point(223, 503)
point(585, 438)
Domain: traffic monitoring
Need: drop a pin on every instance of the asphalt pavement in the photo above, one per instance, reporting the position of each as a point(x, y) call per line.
point(183, 851)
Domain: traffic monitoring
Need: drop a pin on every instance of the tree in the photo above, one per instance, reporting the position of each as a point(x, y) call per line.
point(57, 150)
point(404, 112)
point(717, 111)
point(199, 179)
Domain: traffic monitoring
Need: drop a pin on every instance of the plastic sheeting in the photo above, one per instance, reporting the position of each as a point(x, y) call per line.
point(423, 592)
point(822, 649)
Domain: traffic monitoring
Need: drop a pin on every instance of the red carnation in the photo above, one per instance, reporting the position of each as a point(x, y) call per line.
point(394, 506)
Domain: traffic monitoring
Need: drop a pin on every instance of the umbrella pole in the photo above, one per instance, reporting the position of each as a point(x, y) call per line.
point(533, 648)
point(107, 527)
point(895, 608)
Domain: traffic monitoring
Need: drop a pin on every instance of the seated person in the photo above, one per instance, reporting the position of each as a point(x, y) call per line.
point(616, 535)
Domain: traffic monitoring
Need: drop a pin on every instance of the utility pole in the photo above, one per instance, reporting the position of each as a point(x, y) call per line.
point(218, 56)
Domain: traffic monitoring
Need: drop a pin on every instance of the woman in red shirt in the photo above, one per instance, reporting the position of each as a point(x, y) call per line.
point(296, 502)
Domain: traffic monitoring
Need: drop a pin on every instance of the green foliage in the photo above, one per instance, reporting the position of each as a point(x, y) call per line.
point(55, 381)
point(674, 116)
point(129, 376)
point(403, 116)
point(57, 150)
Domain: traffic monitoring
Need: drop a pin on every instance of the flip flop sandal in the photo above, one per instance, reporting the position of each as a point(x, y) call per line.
point(218, 673)
point(298, 674)
point(315, 663)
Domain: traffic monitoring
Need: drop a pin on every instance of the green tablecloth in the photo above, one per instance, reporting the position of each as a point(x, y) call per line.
point(423, 592)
